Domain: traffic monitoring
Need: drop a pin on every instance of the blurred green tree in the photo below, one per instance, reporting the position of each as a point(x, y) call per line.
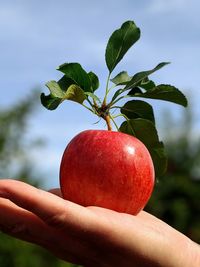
point(176, 196)
point(16, 162)
point(14, 146)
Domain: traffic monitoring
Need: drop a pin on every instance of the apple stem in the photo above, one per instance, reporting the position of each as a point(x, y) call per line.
point(107, 119)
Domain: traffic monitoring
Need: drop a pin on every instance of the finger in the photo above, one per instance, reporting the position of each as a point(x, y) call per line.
point(24, 225)
point(87, 229)
point(56, 191)
point(52, 209)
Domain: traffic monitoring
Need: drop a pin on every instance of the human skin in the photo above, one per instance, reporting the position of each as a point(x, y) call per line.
point(91, 236)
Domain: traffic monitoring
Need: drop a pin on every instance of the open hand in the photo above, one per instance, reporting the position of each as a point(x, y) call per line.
point(91, 236)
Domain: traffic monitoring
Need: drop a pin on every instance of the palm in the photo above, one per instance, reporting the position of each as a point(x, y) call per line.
point(92, 236)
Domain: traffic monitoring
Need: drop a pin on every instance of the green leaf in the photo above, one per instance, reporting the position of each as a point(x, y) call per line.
point(119, 43)
point(121, 78)
point(165, 92)
point(138, 109)
point(159, 158)
point(75, 72)
point(138, 77)
point(134, 91)
point(143, 129)
point(147, 84)
point(94, 80)
point(146, 132)
point(116, 94)
point(93, 96)
point(75, 93)
point(57, 95)
point(55, 89)
point(65, 82)
point(50, 102)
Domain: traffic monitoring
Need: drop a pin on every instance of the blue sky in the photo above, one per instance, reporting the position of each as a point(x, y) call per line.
point(37, 36)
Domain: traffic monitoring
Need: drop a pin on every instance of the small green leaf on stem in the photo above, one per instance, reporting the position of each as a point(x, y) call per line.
point(138, 109)
point(120, 42)
point(55, 89)
point(75, 93)
point(165, 92)
point(147, 84)
point(121, 78)
point(57, 95)
point(65, 82)
point(138, 77)
point(144, 130)
point(75, 72)
point(94, 80)
point(134, 91)
point(159, 158)
point(50, 102)
point(116, 94)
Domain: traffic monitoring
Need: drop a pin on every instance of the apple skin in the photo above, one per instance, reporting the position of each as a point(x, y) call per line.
point(107, 169)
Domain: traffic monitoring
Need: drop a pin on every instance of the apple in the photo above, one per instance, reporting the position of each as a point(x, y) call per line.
point(108, 169)
point(113, 169)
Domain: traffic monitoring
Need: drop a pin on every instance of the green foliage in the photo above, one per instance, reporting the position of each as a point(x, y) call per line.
point(140, 76)
point(79, 86)
point(14, 157)
point(75, 72)
point(138, 109)
point(15, 253)
point(164, 92)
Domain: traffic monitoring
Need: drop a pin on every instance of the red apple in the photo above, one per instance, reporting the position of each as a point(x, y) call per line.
point(107, 169)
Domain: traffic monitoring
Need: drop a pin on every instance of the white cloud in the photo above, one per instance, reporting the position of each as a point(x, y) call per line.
point(163, 6)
